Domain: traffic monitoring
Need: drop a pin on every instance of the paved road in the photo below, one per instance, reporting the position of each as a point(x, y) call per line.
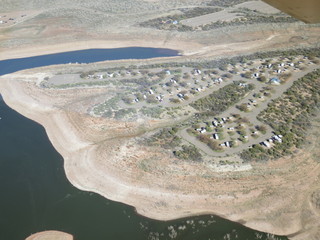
point(252, 116)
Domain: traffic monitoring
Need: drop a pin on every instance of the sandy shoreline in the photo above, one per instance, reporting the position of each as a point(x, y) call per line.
point(50, 235)
point(82, 45)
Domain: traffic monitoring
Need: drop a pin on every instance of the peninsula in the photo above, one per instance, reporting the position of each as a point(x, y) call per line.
point(229, 127)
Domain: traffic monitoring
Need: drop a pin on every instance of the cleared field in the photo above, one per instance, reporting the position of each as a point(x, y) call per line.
point(223, 15)
point(259, 6)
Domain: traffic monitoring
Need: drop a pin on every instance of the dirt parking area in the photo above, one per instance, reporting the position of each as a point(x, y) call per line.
point(12, 18)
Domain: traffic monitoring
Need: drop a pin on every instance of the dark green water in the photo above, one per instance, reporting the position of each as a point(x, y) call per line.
point(36, 196)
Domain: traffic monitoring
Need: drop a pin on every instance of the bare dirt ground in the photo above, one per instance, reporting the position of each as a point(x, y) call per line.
point(104, 157)
point(11, 18)
point(50, 235)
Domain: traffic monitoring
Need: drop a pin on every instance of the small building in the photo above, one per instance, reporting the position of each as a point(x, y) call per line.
point(203, 130)
point(275, 81)
point(277, 138)
point(227, 144)
point(197, 72)
point(173, 81)
point(243, 84)
point(216, 136)
point(266, 144)
point(151, 92)
point(215, 123)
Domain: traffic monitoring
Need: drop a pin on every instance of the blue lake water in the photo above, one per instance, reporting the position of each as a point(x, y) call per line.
point(36, 195)
point(83, 56)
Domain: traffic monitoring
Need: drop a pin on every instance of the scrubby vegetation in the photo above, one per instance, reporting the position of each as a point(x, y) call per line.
point(153, 112)
point(315, 199)
point(254, 19)
point(221, 100)
point(290, 115)
point(75, 85)
point(165, 138)
point(214, 145)
point(125, 112)
point(244, 16)
point(188, 152)
point(171, 22)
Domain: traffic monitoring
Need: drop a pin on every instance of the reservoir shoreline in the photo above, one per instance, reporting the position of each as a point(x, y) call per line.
point(84, 168)
point(81, 162)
